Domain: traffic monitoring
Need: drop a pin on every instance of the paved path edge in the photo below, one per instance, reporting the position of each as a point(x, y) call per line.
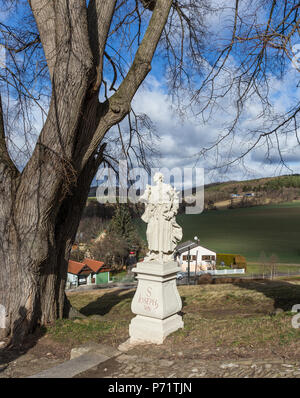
point(79, 364)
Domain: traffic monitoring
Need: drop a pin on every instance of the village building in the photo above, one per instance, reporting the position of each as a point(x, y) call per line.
point(201, 258)
point(87, 272)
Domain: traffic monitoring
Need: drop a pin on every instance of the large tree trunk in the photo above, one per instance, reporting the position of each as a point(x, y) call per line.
point(42, 205)
point(33, 289)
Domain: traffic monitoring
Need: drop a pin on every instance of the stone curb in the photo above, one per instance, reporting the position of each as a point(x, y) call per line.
point(98, 354)
point(121, 285)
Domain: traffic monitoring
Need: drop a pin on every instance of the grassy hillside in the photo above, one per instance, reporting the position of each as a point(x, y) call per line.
point(267, 183)
point(274, 228)
point(249, 231)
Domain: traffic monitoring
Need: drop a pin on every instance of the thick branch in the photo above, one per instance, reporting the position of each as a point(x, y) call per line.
point(141, 65)
point(100, 13)
point(118, 106)
point(44, 14)
point(149, 4)
point(51, 165)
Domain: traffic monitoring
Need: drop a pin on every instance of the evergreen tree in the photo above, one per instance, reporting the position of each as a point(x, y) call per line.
point(122, 225)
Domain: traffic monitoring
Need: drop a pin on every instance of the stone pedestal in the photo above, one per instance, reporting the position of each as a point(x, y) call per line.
point(156, 303)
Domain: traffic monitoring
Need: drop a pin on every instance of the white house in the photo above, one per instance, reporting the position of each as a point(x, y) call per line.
point(201, 258)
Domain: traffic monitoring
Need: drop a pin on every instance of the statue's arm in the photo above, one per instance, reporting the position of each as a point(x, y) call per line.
point(146, 194)
point(174, 204)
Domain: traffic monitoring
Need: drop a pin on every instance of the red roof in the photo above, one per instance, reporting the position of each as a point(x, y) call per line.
point(76, 267)
point(94, 264)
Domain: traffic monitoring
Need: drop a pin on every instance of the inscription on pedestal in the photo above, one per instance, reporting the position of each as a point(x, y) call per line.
point(149, 303)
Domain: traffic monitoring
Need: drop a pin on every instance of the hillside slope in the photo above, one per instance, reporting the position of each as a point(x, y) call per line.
point(273, 229)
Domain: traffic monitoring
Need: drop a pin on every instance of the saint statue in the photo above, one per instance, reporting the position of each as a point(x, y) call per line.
point(163, 233)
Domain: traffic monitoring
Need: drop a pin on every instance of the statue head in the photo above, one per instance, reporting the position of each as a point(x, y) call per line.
point(158, 177)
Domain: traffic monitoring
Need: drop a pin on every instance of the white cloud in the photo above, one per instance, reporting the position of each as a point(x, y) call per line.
point(181, 140)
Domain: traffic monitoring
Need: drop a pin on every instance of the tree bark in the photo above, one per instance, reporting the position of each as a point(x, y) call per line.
point(32, 288)
point(42, 206)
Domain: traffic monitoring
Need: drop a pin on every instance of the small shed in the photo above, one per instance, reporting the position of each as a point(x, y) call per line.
point(88, 272)
point(199, 257)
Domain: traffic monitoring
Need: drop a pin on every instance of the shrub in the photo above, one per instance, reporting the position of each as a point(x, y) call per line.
point(77, 255)
point(223, 267)
point(240, 261)
point(223, 280)
point(228, 259)
point(112, 250)
point(204, 279)
point(235, 259)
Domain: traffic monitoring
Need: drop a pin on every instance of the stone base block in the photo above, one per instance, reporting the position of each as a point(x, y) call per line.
point(156, 295)
point(144, 329)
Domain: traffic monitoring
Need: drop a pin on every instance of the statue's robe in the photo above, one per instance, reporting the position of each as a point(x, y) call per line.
point(163, 233)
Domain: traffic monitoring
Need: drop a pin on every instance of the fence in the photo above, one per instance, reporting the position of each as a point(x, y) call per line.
point(224, 271)
point(275, 274)
point(266, 275)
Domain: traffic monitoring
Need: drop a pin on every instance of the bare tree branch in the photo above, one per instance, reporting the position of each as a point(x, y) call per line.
point(119, 103)
point(44, 14)
point(5, 158)
point(100, 13)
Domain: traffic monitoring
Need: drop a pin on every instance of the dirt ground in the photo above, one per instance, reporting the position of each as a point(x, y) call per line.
point(39, 352)
point(226, 322)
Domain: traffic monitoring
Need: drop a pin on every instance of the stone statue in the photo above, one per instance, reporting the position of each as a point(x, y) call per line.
point(163, 233)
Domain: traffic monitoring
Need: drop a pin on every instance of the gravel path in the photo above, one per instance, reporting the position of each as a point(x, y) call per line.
point(134, 366)
point(127, 365)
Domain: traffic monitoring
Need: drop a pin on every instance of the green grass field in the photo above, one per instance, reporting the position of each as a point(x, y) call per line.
point(273, 229)
point(256, 268)
point(228, 319)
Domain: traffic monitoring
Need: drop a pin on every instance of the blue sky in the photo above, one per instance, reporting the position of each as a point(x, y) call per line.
point(182, 137)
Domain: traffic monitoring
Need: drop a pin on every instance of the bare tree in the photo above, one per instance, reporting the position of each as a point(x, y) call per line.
point(81, 63)
point(90, 228)
point(272, 265)
point(263, 263)
point(41, 205)
point(112, 249)
point(261, 46)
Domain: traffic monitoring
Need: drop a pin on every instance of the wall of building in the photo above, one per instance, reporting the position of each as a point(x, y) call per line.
point(198, 252)
point(102, 277)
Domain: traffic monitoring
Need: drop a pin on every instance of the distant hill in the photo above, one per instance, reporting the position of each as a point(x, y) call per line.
point(266, 183)
point(267, 190)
